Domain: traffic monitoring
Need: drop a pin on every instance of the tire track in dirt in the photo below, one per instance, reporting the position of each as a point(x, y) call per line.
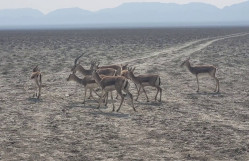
point(194, 46)
point(202, 45)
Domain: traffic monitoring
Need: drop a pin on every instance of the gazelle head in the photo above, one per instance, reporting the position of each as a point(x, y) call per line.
point(94, 72)
point(35, 72)
point(124, 73)
point(75, 63)
point(185, 62)
point(130, 71)
point(94, 65)
point(36, 69)
point(71, 77)
point(124, 67)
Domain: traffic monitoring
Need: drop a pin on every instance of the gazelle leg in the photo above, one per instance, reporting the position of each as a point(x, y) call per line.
point(122, 99)
point(145, 94)
point(37, 94)
point(106, 98)
point(156, 92)
point(96, 93)
point(131, 98)
point(100, 99)
point(197, 83)
point(217, 84)
point(159, 89)
point(117, 96)
point(76, 88)
point(136, 87)
point(90, 94)
point(160, 94)
point(138, 93)
point(113, 107)
point(85, 96)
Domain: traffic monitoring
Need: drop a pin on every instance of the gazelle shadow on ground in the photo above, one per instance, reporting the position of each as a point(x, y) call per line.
point(110, 114)
point(215, 94)
point(34, 100)
point(151, 103)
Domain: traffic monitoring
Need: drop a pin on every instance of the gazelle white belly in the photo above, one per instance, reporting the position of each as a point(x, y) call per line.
point(203, 75)
point(92, 85)
point(146, 84)
point(109, 88)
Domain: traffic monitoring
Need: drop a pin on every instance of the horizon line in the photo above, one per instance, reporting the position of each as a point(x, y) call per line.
point(93, 11)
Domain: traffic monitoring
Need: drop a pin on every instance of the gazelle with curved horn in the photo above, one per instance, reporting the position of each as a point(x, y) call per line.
point(81, 69)
point(37, 77)
point(202, 70)
point(88, 72)
point(88, 82)
point(146, 80)
point(111, 83)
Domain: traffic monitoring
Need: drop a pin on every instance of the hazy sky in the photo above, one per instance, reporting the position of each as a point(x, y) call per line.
point(93, 5)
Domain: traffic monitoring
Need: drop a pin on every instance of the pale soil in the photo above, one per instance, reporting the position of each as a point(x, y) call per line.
point(185, 126)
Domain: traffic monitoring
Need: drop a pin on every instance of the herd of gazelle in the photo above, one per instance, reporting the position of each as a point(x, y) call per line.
point(112, 78)
point(116, 78)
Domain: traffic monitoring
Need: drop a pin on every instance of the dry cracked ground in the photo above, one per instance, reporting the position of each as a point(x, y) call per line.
point(186, 125)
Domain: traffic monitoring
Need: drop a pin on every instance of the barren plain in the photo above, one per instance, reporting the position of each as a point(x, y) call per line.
point(186, 125)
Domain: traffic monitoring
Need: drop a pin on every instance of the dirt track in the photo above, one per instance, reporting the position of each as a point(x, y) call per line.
point(185, 126)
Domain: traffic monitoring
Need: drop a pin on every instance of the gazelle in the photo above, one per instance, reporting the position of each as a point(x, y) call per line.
point(37, 77)
point(202, 69)
point(146, 80)
point(125, 73)
point(81, 69)
point(88, 72)
point(111, 83)
point(118, 68)
point(88, 82)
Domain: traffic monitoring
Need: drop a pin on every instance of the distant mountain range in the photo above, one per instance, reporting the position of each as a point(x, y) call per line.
point(129, 15)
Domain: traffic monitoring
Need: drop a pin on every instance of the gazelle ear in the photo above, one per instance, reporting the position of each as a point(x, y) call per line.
point(35, 69)
point(124, 66)
point(133, 69)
